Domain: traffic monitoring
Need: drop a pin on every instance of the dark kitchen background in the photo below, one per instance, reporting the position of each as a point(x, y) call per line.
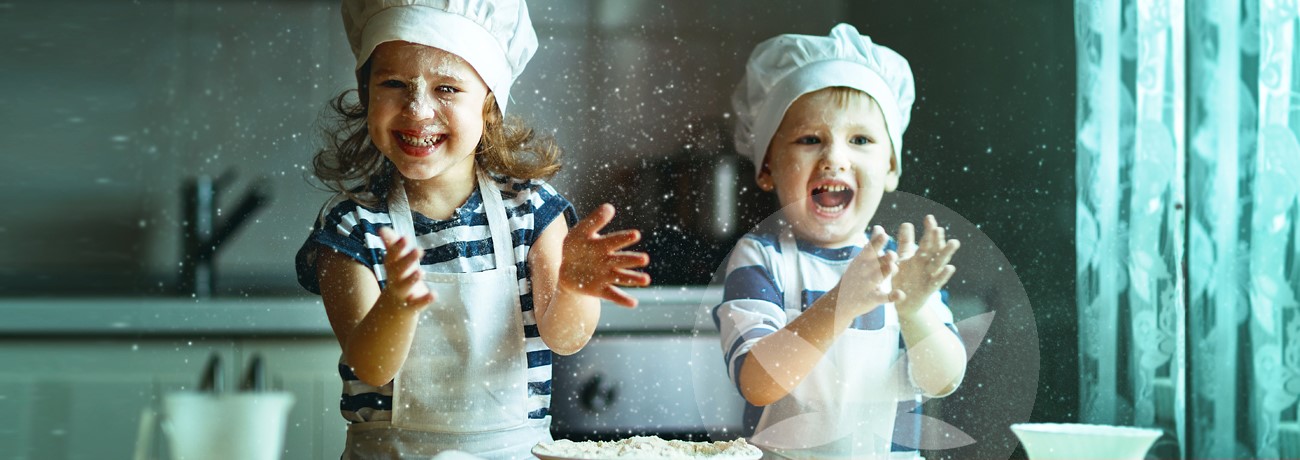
point(116, 113)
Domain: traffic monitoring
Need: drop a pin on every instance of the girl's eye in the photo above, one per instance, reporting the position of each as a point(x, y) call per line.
point(808, 140)
point(392, 84)
point(860, 140)
point(447, 89)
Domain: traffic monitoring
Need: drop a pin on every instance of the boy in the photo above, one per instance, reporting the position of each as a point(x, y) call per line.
point(816, 313)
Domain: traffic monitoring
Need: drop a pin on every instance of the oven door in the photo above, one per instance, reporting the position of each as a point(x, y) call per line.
point(671, 385)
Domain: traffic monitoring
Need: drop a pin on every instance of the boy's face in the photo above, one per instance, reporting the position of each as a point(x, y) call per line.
point(830, 162)
point(425, 109)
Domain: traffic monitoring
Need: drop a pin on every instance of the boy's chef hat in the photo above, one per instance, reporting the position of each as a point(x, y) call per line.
point(495, 37)
point(788, 66)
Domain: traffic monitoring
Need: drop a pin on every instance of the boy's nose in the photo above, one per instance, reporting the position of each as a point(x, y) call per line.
point(834, 159)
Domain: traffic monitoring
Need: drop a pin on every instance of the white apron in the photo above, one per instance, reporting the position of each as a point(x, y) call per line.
point(846, 407)
point(464, 383)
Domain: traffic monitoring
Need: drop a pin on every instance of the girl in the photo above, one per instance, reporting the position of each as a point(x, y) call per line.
point(445, 270)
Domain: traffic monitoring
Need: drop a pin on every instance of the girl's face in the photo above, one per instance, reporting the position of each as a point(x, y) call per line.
point(830, 162)
point(425, 109)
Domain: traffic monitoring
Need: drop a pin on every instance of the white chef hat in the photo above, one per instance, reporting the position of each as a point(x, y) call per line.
point(495, 37)
point(788, 66)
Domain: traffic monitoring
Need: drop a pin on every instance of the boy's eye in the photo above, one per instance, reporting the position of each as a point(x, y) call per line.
point(808, 140)
point(392, 84)
point(860, 140)
point(447, 89)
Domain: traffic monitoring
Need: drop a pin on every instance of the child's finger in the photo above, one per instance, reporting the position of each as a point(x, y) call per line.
point(625, 277)
point(388, 236)
point(941, 277)
point(614, 241)
point(906, 239)
point(888, 265)
point(628, 259)
point(408, 262)
point(948, 250)
point(421, 301)
point(402, 282)
point(878, 239)
point(934, 230)
point(896, 296)
point(595, 221)
point(616, 295)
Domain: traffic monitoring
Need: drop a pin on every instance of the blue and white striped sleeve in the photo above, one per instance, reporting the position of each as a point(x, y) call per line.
point(347, 228)
point(751, 305)
point(548, 205)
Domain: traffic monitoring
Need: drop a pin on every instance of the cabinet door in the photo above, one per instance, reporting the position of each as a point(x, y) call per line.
point(308, 368)
point(83, 399)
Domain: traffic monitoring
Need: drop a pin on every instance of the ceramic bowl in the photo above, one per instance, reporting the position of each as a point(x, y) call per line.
point(1044, 441)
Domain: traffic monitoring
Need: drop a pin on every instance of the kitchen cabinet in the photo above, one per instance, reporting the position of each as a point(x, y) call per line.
point(79, 372)
point(82, 398)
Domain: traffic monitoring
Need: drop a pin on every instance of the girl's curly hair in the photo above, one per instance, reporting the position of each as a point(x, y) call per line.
point(351, 164)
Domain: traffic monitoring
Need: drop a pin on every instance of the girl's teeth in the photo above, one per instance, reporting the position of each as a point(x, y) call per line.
point(420, 141)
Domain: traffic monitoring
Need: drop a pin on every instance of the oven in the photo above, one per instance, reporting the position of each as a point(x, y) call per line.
point(653, 370)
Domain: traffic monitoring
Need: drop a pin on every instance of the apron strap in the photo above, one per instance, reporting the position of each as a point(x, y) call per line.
point(502, 241)
point(399, 210)
point(793, 284)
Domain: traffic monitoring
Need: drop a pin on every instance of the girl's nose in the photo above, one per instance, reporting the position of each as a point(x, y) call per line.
point(419, 101)
point(420, 106)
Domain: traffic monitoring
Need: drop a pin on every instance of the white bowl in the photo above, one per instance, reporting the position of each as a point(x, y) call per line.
point(245, 426)
point(1045, 441)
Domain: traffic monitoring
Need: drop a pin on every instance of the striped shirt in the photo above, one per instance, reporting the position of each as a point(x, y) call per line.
point(460, 244)
point(752, 307)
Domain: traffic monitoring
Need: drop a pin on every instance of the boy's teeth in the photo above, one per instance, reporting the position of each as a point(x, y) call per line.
point(832, 209)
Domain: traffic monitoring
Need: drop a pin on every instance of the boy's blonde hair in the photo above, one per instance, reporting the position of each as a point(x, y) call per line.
point(842, 96)
point(350, 163)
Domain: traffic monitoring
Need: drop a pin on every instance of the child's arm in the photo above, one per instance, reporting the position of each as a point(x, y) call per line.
point(573, 270)
point(780, 361)
point(936, 355)
point(373, 326)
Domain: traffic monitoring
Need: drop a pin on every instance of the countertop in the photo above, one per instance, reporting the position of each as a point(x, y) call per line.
point(673, 309)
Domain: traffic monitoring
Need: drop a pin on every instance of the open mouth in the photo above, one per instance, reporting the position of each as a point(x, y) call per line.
point(421, 141)
point(832, 198)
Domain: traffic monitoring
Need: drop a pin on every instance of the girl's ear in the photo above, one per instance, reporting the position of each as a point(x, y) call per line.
point(891, 178)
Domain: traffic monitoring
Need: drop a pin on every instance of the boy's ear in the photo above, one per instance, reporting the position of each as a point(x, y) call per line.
point(764, 179)
point(891, 178)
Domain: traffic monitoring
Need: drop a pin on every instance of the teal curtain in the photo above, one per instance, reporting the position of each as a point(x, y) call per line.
point(1187, 157)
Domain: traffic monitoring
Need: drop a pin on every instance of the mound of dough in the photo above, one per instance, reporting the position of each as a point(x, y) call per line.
point(648, 447)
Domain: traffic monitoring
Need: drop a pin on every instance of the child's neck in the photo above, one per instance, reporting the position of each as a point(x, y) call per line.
point(438, 197)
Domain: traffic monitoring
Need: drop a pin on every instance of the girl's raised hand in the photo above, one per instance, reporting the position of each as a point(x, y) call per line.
point(923, 268)
point(405, 287)
point(595, 264)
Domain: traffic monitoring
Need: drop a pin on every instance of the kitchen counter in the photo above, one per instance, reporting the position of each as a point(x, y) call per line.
point(661, 308)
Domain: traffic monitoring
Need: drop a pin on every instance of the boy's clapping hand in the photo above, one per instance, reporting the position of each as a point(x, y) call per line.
point(862, 287)
point(596, 264)
point(923, 268)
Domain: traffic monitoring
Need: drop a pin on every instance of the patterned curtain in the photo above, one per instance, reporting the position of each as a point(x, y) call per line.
point(1187, 156)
